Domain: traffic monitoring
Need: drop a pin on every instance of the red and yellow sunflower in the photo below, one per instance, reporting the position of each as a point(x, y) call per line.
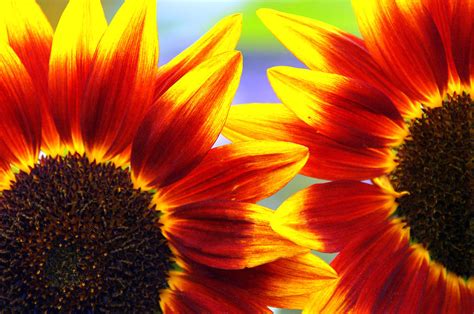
point(131, 209)
point(389, 121)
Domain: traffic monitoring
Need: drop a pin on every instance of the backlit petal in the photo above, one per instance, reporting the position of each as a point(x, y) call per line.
point(226, 235)
point(246, 171)
point(223, 37)
point(344, 109)
point(119, 89)
point(78, 32)
point(185, 121)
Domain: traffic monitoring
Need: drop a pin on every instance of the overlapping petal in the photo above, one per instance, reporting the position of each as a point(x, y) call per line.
point(246, 171)
point(185, 121)
point(223, 37)
point(77, 35)
point(326, 48)
point(327, 216)
point(20, 117)
point(344, 109)
point(226, 235)
point(328, 159)
point(196, 294)
point(119, 89)
point(404, 40)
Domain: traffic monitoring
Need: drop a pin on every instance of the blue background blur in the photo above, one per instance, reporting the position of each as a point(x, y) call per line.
point(181, 22)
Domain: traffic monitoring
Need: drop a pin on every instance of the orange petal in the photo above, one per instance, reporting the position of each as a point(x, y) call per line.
point(78, 32)
point(327, 216)
point(284, 283)
point(326, 48)
point(20, 118)
point(404, 40)
point(226, 235)
point(185, 122)
point(30, 35)
point(189, 293)
point(246, 171)
point(344, 109)
point(119, 89)
point(223, 37)
point(328, 159)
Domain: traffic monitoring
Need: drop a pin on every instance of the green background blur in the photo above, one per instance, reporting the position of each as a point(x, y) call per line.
point(181, 22)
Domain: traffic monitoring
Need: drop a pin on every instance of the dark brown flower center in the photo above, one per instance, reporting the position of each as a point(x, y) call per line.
point(75, 236)
point(436, 169)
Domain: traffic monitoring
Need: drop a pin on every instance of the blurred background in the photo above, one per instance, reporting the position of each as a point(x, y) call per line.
point(181, 22)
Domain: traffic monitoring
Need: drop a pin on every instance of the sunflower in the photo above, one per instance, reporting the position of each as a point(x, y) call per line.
point(130, 209)
point(388, 120)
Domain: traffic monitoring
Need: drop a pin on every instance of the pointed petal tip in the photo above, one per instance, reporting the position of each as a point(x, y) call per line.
point(265, 13)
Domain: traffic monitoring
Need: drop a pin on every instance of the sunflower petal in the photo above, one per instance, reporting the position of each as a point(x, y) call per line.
point(328, 159)
point(404, 40)
point(326, 216)
point(78, 32)
point(344, 109)
point(223, 37)
point(118, 91)
point(326, 48)
point(185, 122)
point(284, 283)
point(189, 293)
point(246, 171)
point(20, 118)
point(226, 235)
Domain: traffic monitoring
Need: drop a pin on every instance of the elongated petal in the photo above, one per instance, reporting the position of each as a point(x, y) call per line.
point(189, 293)
point(20, 118)
point(30, 35)
point(119, 89)
point(404, 40)
point(328, 159)
point(226, 235)
point(347, 110)
point(223, 37)
point(185, 121)
point(326, 48)
point(246, 171)
point(284, 283)
point(78, 32)
point(326, 216)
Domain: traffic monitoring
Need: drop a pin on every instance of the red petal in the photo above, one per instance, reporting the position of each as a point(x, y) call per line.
point(326, 48)
point(404, 40)
point(227, 235)
point(327, 216)
point(197, 294)
point(223, 37)
point(185, 122)
point(246, 171)
point(20, 118)
point(344, 109)
point(78, 32)
point(119, 89)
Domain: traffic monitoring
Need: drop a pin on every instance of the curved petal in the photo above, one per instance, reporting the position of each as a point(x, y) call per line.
point(226, 235)
point(30, 35)
point(189, 293)
point(20, 118)
point(328, 159)
point(246, 172)
point(119, 90)
point(404, 40)
point(223, 37)
point(326, 48)
point(78, 32)
point(344, 109)
point(284, 283)
point(185, 122)
point(327, 216)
